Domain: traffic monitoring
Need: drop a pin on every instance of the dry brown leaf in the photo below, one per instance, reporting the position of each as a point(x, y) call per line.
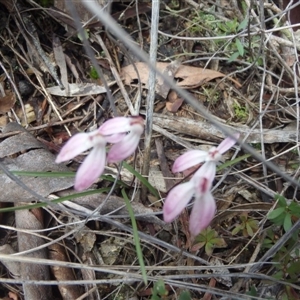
point(187, 76)
point(68, 292)
point(7, 102)
point(174, 102)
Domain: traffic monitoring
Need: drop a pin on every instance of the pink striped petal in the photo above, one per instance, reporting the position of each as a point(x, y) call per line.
point(202, 213)
point(189, 159)
point(120, 124)
point(127, 146)
point(227, 143)
point(204, 177)
point(90, 169)
point(177, 200)
point(79, 143)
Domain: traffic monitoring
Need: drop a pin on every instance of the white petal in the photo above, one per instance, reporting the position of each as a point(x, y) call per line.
point(90, 169)
point(177, 200)
point(127, 146)
point(228, 143)
point(79, 143)
point(120, 124)
point(202, 213)
point(189, 159)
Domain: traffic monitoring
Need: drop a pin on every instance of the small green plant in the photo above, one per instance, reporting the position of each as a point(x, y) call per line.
point(287, 258)
point(209, 239)
point(248, 226)
point(159, 292)
point(93, 73)
point(241, 112)
point(284, 214)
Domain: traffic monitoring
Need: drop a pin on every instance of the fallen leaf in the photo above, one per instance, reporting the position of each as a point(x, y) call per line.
point(7, 102)
point(187, 76)
point(174, 102)
point(58, 253)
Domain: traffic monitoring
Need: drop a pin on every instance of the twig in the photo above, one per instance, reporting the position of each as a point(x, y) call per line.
point(151, 89)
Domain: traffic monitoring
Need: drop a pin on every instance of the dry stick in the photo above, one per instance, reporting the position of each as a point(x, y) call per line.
point(151, 92)
point(121, 34)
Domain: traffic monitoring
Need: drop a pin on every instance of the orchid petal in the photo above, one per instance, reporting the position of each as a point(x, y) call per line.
point(189, 159)
point(91, 168)
point(79, 143)
point(177, 200)
point(202, 213)
point(120, 124)
point(127, 146)
point(227, 143)
point(204, 177)
point(115, 138)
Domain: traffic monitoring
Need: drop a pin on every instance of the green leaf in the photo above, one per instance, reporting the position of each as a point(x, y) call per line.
point(275, 213)
point(281, 200)
point(93, 73)
point(185, 295)
point(287, 223)
point(218, 242)
point(209, 248)
point(279, 275)
point(236, 230)
point(240, 47)
point(234, 56)
point(294, 208)
point(160, 288)
point(249, 229)
point(136, 237)
point(293, 268)
point(210, 234)
point(86, 35)
point(232, 162)
point(243, 24)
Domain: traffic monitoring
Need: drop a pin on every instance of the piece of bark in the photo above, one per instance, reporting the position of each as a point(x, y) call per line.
point(35, 158)
point(12, 266)
point(32, 220)
point(206, 131)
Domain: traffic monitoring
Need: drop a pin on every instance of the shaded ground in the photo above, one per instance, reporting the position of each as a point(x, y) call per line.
point(238, 61)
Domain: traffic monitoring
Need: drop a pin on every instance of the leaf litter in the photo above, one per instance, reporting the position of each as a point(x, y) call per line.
point(264, 112)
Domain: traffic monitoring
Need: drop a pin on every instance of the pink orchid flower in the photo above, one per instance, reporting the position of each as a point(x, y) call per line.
point(125, 145)
point(93, 165)
point(195, 157)
point(199, 186)
point(112, 131)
